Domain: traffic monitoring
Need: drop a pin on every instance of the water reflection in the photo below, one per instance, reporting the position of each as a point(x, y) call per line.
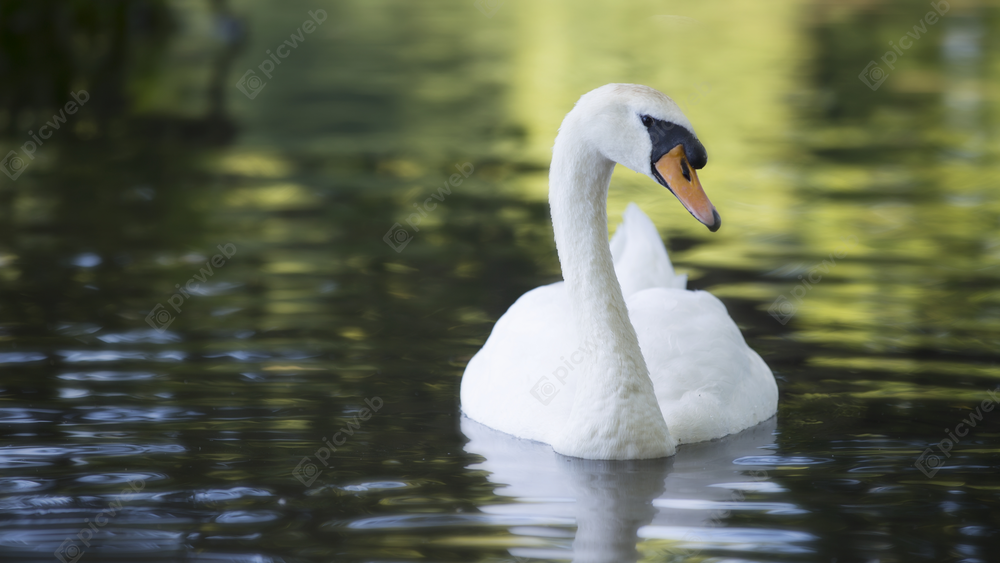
point(674, 506)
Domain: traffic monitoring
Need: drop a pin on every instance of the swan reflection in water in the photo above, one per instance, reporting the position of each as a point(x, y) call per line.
point(681, 500)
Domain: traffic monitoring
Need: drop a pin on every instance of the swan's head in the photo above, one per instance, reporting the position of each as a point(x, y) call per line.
point(644, 130)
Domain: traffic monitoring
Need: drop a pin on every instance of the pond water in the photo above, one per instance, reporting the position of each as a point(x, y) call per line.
point(202, 288)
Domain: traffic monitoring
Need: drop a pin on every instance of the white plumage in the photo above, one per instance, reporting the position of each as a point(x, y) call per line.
point(619, 361)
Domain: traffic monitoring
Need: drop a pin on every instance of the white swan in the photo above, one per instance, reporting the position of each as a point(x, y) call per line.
point(619, 361)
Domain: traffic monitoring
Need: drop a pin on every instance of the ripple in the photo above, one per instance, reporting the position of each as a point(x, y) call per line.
point(127, 414)
point(77, 356)
point(411, 521)
point(758, 486)
point(68, 393)
point(21, 357)
point(213, 496)
point(96, 436)
point(256, 536)
point(118, 478)
point(149, 336)
point(230, 558)
point(108, 376)
point(77, 329)
point(298, 355)
point(742, 539)
point(115, 450)
point(172, 355)
point(11, 457)
point(376, 486)
point(86, 260)
point(34, 451)
point(6, 463)
point(762, 507)
point(223, 311)
point(16, 485)
point(242, 355)
point(122, 542)
point(977, 531)
point(780, 460)
point(877, 469)
point(32, 503)
point(247, 517)
point(217, 288)
point(891, 489)
point(26, 416)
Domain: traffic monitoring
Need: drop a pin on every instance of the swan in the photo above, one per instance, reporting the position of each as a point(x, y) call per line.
point(619, 361)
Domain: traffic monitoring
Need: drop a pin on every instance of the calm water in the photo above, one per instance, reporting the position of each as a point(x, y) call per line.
point(860, 254)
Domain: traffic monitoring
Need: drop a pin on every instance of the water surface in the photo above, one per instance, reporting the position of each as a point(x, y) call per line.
point(859, 256)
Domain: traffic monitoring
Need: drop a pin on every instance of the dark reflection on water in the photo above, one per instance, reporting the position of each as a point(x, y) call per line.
point(213, 439)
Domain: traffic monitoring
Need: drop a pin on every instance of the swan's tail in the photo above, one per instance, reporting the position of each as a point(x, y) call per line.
point(641, 260)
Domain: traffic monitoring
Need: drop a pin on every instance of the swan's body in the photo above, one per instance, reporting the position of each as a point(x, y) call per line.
point(619, 361)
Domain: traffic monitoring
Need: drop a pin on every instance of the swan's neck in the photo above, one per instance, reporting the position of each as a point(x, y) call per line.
point(578, 193)
point(615, 414)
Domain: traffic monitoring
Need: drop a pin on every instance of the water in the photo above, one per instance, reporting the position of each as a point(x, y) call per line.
point(859, 255)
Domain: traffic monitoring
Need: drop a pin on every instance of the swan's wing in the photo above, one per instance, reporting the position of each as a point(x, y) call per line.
point(641, 260)
point(708, 382)
point(521, 381)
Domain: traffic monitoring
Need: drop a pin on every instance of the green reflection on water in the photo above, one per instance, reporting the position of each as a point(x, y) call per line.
point(873, 213)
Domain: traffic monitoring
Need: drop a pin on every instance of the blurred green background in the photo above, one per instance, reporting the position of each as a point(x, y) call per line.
point(859, 254)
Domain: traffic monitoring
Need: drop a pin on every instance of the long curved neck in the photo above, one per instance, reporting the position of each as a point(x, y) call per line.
point(578, 193)
point(614, 395)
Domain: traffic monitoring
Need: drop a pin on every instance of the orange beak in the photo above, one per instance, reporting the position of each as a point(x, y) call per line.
point(681, 179)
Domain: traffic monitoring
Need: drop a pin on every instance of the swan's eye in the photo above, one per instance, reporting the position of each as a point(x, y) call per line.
point(647, 121)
